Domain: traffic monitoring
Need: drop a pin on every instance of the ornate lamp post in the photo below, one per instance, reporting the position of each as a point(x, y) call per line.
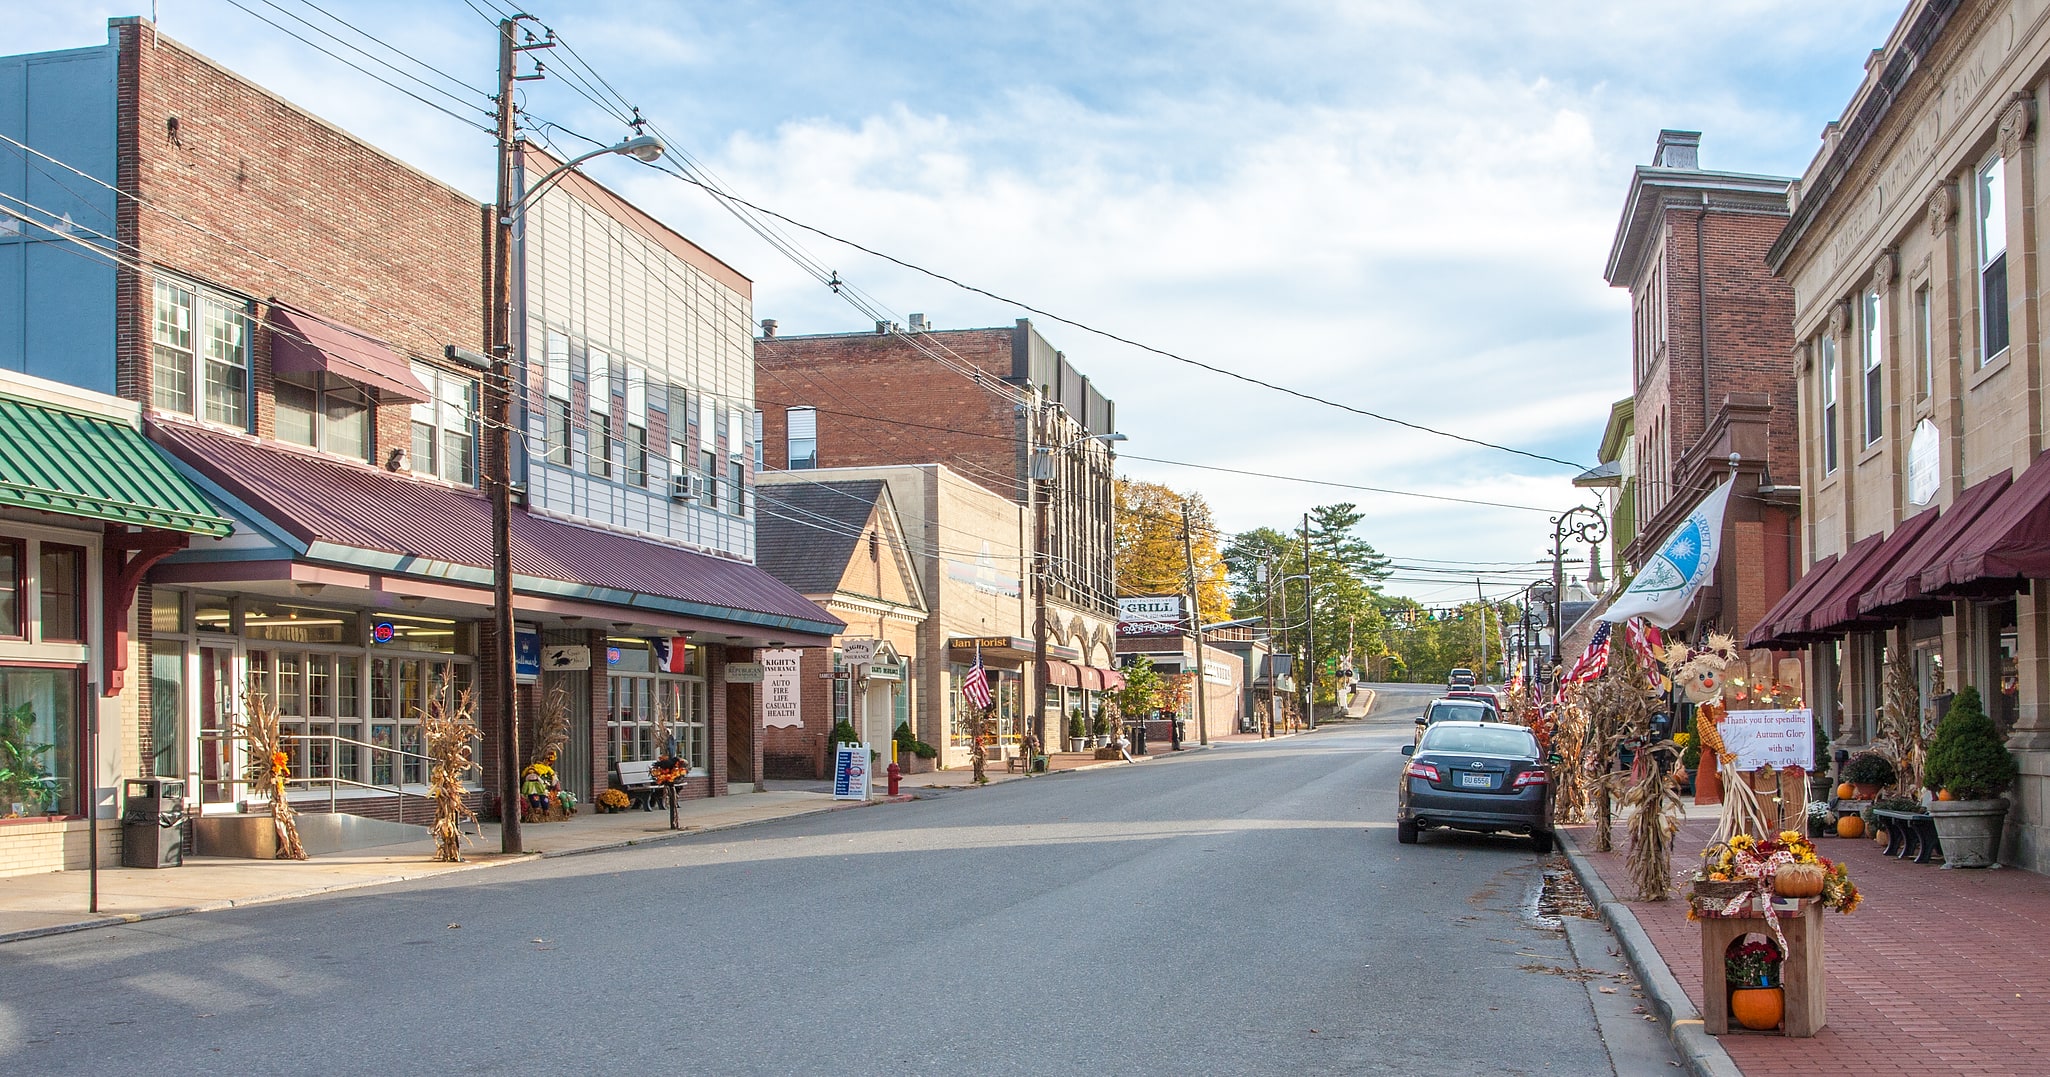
point(1577, 524)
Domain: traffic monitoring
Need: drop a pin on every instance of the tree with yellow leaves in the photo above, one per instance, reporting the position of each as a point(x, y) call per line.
point(1150, 559)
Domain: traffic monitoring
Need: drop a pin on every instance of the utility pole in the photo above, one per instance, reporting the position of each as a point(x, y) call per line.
point(497, 393)
point(1309, 634)
point(1040, 566)
point(1196, 623)
point(1267, 608)
point(1481, 674)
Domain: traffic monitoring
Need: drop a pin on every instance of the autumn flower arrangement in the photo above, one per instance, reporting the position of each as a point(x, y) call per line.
point(613, 800)
point(669, 770)
point(1754, 964)
point(1752, 866)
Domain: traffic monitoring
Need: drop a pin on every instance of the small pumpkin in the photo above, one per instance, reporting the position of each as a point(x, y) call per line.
point(1758, 1008)
point(1798, 880)
point(1843, 791)
point(1945, 794)
point(1880, 835)
point(1850, 826)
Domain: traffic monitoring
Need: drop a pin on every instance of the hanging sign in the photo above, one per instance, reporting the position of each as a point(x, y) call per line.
point(781, 693)
point(850, 772)
point(1770, 738)
point(745, 672)
point(526, 653)
point(567, 657)
point(857, 650)
point(1925, 463)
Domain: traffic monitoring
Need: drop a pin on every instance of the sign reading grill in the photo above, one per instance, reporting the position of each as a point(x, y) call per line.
point(1150, 615)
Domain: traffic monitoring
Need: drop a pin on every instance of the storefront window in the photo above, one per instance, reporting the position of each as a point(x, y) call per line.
point(212, 613)
point(39, 730)
point(642, 704)
point(285, 622)
point(167, 611)
point(10, 589)
point(63, 598)
point(167, 709)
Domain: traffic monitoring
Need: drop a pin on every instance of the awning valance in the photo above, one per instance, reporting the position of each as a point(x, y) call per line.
point(302, 343)
point(2005, 548)
point(1830, 588)
point(72, 463)
point(1062, 673)
point(1899, 593)
point(1771, 628)
point(1092, 678)
point(1839, 612)
point(1113, 681)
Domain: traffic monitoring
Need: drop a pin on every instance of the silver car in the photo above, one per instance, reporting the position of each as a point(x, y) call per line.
point(1478, 776)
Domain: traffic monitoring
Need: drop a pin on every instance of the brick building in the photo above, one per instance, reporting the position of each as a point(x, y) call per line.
point(1913, 252)
point(1003, 409)
point(281, 305)
point(1710, 381)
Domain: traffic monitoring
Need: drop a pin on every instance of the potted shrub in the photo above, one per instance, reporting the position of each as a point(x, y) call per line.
point(1868, 773)
point(1099, 728)
point(1969, 764)
point(1078, 731)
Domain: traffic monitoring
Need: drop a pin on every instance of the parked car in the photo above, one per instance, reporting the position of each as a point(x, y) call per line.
point(1486, 777)
point(1479, 691)
point(1460, 676)
point(1471, 709)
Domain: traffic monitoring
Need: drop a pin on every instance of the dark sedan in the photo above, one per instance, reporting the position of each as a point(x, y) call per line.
point(1479, 776)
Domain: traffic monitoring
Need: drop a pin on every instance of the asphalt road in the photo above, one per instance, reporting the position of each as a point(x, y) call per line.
point(1238, 911)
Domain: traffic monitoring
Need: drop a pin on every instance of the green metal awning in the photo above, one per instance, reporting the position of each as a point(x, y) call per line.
point(56, 460)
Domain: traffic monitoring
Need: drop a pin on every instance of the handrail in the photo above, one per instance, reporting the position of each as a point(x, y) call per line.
point(335, 780)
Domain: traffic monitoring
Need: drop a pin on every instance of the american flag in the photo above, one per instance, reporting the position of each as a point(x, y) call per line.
point(1594, 661)
point(975, 686)
point(1647, 641)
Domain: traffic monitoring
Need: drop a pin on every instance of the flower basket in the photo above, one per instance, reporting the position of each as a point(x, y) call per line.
point(1709, 897)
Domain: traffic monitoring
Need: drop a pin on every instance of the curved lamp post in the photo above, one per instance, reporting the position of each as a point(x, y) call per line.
point(1577, 524)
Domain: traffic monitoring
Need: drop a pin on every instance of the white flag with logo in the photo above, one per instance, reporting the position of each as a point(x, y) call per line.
point(1668, 582)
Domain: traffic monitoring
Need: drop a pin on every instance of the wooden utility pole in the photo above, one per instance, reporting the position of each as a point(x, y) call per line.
point(1196, 624)
point(1309, 634)
point(498, 410)
point(1480, 675)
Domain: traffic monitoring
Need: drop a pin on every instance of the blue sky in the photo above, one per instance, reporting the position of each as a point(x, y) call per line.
point(1400, 204)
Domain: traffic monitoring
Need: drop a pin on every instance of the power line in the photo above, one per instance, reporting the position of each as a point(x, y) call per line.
point(288, 32)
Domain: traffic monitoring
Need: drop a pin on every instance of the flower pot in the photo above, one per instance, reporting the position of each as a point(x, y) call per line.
point(1758, 1008)
point(1969, 830)
point(1078, 744)
point(1861, 791)
point(1687, 783)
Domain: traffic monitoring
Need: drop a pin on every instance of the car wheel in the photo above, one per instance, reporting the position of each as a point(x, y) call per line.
point(1405, 831)
point(1541, 840)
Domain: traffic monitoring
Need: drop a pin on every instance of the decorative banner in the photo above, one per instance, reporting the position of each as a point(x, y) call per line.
point(1775, 738)
point(1668, 582)
point(780, 690)
point(850, 772)
point(526, 652)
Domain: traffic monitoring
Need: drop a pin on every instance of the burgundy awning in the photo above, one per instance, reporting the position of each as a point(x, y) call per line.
point(1062, 673)
point(1767, 631)
point(1898, 593)
point(1831, 588)
point(302, 343)
point(1113, 681)
point(1092, 678)
point(1839, 612)
point(2005, 548)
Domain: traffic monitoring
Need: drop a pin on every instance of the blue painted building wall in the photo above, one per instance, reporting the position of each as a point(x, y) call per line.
point(56, 294)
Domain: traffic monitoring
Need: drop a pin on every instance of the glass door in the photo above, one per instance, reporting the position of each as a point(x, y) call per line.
point(220, 756)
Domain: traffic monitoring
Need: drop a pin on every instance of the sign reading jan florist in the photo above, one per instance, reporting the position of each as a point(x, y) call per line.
point(780, 689)
point(1773, 738)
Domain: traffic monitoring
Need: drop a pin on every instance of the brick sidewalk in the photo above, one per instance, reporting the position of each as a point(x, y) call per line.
point(1937, 972)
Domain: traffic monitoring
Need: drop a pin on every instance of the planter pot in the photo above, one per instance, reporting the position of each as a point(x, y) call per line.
point(1758, 1008)
point(1078, 744)
point(1969, 830)
point(1861, 791)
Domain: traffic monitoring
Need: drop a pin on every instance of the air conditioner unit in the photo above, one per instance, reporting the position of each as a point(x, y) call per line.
point(688, 486)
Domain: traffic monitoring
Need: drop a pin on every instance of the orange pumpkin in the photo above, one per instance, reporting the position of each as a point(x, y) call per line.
point(1843, 791)
point(1946, 795)
point(1850, 826)
point(1758, 1008)
point(1798, 880)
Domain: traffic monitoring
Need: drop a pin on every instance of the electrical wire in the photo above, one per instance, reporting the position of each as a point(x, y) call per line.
point(288, 32)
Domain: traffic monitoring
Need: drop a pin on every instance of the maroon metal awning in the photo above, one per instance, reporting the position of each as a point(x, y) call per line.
point(1831, 588)
point(303, 343)
point(1113, 681)
point(1092, 678)
point(1767, 632)
point(2005, 548)
point(1898, 592)
point(1062, 673)
point(1838, 613)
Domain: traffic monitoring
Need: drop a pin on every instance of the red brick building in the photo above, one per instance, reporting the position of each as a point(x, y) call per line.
point(1711, 378)
point(1004, 409)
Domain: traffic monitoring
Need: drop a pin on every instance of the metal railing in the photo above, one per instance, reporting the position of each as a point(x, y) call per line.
point(332, 767)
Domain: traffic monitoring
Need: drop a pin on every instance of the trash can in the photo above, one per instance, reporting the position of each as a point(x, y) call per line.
point(152, 823)
point(1138, 734)
point(1180, 734)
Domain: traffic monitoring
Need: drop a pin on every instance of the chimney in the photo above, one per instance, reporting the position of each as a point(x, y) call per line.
point(768, 328)
point(918, 323)
point(1678, 149)
point(882, 329)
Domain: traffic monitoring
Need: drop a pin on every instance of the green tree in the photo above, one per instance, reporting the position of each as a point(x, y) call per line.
point(1268, 570)
point(1150, 558)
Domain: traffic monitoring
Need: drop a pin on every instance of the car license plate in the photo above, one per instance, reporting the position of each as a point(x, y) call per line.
point(1476, 781)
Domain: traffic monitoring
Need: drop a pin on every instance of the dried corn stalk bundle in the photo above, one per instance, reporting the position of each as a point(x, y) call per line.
point(551, 728)
point(1619, 707)
point(1900, 725)
point(1571, 790)
point(270, 769)
point(1656, 814)
point(451, 744)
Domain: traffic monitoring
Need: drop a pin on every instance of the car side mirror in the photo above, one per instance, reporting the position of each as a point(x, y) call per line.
point(1555, 759)
point(1422, 720)
point(1409, 749)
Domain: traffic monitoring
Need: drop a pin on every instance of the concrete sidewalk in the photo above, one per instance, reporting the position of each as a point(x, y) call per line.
point(56, 902)
point(1937, 972)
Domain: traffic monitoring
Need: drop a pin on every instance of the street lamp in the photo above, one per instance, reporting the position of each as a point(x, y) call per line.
point(1582, 524)
point(498, 395)
point(1540, 592)
point(1043, 471)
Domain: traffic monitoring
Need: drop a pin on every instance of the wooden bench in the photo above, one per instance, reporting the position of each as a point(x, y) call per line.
point(638, 780)
point(1909, 834)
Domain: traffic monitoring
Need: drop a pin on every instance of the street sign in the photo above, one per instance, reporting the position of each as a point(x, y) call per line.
point(857, 650)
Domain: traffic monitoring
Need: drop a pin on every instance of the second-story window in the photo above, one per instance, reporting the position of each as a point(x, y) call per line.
point(709, 460)
point(557, 408)
point(802, 435)
point(1992, 243)
point(736, 487)
point(757, 442)
point(445, 428)
point(636, 426)
point(1875, 389)
point(598, 429)
point(325, 412)
point(1828, 394)
point(199, 361)
point(1925, 344)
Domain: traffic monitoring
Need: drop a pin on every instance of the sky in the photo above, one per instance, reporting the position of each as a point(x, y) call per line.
point(1403, 206)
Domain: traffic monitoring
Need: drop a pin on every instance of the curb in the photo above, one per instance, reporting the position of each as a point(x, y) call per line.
point(1702, 1053)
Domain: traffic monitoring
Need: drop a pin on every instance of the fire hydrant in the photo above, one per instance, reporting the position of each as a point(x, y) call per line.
point(895, 772)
